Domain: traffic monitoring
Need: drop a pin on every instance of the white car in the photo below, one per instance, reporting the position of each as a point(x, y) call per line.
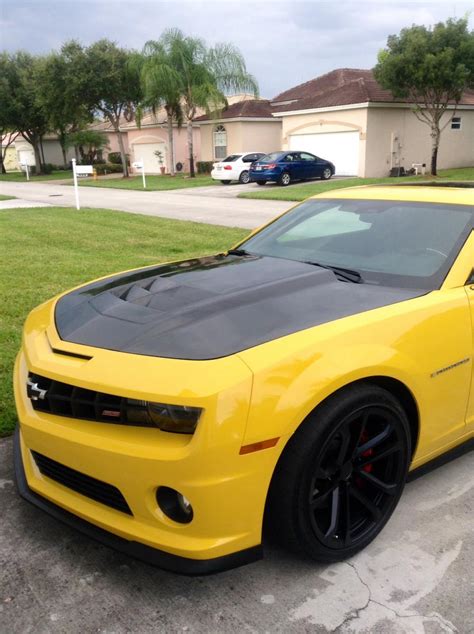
point(235, 167)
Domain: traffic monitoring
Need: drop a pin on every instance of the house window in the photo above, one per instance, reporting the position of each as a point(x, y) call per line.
point(456, 123)
point(220, 142)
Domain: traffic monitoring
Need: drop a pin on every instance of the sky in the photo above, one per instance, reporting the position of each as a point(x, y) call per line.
point(284, 42)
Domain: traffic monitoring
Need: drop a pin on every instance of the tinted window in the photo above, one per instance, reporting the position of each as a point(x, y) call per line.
point(403, 244)
point(231, 158)
point(250, 158)
point(307, 157)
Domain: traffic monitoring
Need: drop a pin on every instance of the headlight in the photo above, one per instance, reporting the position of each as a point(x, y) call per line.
point(178, 419)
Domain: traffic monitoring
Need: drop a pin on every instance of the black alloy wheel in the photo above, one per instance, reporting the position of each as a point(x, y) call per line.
point(341, 475)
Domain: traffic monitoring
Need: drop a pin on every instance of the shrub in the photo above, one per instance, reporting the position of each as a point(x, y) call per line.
point(116, 159)
point(47, 168)
point(108, 168)
point(204, 167)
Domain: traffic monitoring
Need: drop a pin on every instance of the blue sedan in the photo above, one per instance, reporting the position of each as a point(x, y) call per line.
point(286, 167)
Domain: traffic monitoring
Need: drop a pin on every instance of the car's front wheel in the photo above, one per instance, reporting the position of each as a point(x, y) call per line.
point(326, 175)
point(284, 179)
point(341, 475)
point(244, 177)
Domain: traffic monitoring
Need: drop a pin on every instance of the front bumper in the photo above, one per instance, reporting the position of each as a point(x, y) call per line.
point(227, 490)
point(152, 556)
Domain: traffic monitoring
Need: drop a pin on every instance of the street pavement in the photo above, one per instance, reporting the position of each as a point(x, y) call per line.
point(416, 578)
point(215, 205)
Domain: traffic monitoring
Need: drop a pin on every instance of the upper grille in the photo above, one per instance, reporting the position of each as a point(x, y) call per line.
point(81, 483)
point(76, 402)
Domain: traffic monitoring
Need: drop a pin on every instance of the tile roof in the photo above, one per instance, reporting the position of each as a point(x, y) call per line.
point(340, 87)
point(254, 108)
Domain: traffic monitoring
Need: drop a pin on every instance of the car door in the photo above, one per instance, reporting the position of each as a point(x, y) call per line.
point(312, 168)
point(469, 288)
point(296, 166)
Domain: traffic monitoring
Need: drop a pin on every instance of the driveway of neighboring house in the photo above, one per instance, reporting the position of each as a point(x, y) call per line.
point(184, 204)
point(415, 578)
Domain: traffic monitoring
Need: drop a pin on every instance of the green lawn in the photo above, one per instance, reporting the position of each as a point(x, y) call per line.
point(21, 176)
point(60, 247)
point(153, 183)
point(6, 197)
point(300, 192)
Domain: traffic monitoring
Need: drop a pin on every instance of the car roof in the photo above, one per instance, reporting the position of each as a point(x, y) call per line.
point(449, 193)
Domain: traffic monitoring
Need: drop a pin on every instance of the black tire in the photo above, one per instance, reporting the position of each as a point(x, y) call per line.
point(244, 177)
point(327, 173)
point(284, 179)
point(261, 182)
point(341, 474)
point(226, 182)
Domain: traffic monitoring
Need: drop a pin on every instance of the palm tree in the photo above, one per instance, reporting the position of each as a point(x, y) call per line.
point(201, 76)
point(162, 87)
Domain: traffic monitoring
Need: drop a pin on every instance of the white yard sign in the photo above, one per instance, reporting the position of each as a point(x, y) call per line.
point(25, 167)
point(80, 170)
point(140, 165)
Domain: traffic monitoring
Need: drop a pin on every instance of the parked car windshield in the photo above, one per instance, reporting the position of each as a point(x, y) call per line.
point(393, 243)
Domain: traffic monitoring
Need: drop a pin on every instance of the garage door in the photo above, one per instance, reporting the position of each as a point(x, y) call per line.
point(146, 151)
point(341, 148)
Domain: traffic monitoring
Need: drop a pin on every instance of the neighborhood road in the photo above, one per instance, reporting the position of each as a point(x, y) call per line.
point(217, 205)
point(415, 578)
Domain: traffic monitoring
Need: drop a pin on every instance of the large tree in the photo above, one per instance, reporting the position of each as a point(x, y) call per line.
point(112, 87)
point(206, 75)
point(7, 111)
point(61, 92)
point(431, 67)
point(162, 85)
point(27, 114)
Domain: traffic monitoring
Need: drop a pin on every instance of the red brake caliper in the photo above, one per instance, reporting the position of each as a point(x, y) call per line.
point(368, 467)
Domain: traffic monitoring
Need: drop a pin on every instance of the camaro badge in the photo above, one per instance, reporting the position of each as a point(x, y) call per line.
point(450, 367)
point(34, 392)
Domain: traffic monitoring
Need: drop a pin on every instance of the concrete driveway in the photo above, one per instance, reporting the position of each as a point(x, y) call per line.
point(217, 205)
point(416, 578)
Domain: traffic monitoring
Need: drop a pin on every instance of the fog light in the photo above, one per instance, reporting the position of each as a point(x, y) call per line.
point(174, 505)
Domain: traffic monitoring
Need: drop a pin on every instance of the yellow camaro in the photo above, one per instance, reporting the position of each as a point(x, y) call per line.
point(174, 411)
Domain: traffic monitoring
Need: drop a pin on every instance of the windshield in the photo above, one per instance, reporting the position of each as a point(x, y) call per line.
point(393, 243)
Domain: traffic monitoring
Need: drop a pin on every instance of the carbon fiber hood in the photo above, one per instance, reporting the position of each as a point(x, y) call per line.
point(211, 307)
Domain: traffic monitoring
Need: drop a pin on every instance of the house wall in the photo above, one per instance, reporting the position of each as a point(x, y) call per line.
point(340, 120)
point(159, 135)
point(242, 136)
point(414, 141)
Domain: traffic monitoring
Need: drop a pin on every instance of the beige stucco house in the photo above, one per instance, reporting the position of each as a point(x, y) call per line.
point(246, 125)
point(142, 142)
point(346, 117)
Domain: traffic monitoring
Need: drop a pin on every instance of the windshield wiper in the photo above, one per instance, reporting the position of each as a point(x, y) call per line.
point(347, 274)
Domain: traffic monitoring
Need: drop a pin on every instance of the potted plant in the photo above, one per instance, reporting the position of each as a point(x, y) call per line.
point(159, 156)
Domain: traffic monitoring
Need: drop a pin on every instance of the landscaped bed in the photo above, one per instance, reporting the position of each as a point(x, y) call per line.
point(304, 190)
point(59, 248)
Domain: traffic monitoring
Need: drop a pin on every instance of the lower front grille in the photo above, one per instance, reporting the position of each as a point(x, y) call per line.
point(81, 483)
